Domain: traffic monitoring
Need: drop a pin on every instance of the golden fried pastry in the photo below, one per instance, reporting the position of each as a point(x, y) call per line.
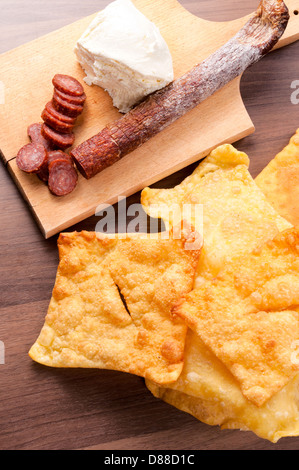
point(112, 301)
point(208, 391)
point(237, 220)
point(236, 217)
point(249, 317)
point(279, 181)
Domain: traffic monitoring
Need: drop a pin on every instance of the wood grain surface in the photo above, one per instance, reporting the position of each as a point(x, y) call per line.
point(184, 142)
point(43, 408)
point(187, 140)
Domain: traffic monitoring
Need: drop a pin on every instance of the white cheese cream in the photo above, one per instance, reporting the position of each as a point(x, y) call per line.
point(124, 53)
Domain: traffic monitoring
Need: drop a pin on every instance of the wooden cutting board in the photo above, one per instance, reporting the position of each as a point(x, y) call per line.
point(25, 78)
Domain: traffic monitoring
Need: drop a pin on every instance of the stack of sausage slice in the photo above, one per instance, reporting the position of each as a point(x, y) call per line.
point(46, 154)
point(60, 114)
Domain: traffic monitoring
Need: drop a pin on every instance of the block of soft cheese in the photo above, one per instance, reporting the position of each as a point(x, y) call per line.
point(124, 53)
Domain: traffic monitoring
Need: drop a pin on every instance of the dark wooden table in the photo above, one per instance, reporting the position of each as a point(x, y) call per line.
point(42, 408)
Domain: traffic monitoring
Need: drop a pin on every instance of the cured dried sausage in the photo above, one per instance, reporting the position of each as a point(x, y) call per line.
point(59, 116)
point(63, 177)
point(31, 158)
point(54, 155)
point(43, 173)
point(46, 156)
point(63, 107)
point(164, 107)
point(68, 85)
point(58, 140)
point(59, 155)
point(59, 126)
point(34, 132)
point(78, 100)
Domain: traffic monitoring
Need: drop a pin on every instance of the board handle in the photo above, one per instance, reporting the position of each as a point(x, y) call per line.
point(291, 33)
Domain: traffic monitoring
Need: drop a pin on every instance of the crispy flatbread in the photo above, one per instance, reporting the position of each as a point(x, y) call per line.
point(279, 181)
point(249, 317)
point(236, 215)
point(112, 301)
point(237, 219)
point(209, 392)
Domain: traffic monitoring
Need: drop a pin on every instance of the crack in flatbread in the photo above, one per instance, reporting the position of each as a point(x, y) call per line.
point(88, 325)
